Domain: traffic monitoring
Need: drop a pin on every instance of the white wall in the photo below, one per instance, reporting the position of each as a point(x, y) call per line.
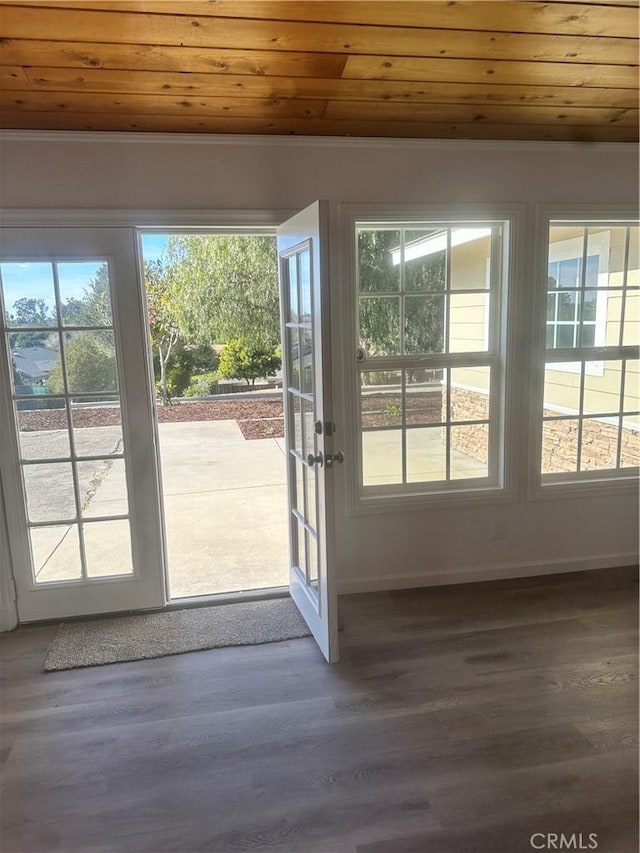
point(374, 551)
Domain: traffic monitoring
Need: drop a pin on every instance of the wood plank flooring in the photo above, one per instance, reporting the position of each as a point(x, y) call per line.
point(459, 720)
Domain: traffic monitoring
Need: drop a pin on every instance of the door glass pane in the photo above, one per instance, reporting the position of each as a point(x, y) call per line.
point(103, 488)
point(55, 553)
point(309, 446)
point(35, 358)
point(469, 322)
point(311, 497)
point(304, 260)
point(85, 293)
point(29, 295)
point(296, 408)
point(50, 492)
point(426, 454)
point(90, 362)
point(424, 324)
point(46, 384)
point(44, 433)
point(292, 275)
point(97, 427)
point(469, 451)
point(297, 498)
point(108, 548)
point(312, 551)
point(306, 340)
point(301, 559)
point(293, 353)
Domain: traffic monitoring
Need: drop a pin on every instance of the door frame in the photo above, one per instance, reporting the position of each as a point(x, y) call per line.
point(138, 220)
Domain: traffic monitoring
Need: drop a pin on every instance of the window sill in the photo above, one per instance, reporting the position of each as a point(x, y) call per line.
point(588, 487)
point(397, 502)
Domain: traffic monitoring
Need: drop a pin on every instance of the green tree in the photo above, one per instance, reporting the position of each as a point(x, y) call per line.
point(90, 362)
point(30, 312)
point(163, 324)
point(424, 279)
point(248, 360)
point(225, 288)
point(94, 309)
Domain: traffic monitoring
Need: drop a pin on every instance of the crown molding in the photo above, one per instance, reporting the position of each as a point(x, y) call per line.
point(271, 141)
point(186, 221)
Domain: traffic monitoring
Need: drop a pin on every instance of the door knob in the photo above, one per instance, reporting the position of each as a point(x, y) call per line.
point(312, 460)
point(338, 457)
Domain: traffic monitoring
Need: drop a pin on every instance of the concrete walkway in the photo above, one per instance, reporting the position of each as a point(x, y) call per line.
point(225, 509)
point(225, 502)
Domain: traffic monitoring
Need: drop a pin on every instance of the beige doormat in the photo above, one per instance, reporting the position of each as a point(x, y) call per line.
point(174, 632)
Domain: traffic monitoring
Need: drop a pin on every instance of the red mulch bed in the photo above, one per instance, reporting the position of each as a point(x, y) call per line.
point(258, 418)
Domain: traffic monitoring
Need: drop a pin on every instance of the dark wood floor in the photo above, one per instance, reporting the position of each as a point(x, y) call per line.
point(459, 719)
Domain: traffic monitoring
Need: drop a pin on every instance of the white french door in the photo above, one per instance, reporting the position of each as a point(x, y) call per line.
point(77, 453)
point(303, 258)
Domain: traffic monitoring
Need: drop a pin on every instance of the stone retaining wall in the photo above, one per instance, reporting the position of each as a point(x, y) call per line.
point(599, 446)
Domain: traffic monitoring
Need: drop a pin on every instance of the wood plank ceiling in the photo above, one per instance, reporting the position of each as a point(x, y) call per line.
point(483, 70)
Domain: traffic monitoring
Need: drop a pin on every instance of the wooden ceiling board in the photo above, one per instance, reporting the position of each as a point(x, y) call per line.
point(473, 70)
point(504, 70)
point(268, 64)
point(146, 57)
point(130, 27)
point(569, 18)
point(257, 86)
point(313, 127)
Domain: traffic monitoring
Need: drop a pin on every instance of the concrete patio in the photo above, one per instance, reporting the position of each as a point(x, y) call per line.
point(225, 502)
point(224, 499)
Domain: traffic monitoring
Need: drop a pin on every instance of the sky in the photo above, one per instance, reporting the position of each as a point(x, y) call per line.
point(34, 280)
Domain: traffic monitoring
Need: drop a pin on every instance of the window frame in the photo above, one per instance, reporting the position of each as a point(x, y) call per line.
point(582, 483)
point(503, 308)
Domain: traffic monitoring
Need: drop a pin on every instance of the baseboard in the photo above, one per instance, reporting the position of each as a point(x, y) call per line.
point(471, 574)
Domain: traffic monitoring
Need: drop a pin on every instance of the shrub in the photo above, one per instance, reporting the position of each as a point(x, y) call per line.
point(91, 365)
point(248, 360)
point(201, 385)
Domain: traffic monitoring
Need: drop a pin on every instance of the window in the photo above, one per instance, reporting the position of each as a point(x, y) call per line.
point(428, 360)
point(590, 419)
point(563, 316)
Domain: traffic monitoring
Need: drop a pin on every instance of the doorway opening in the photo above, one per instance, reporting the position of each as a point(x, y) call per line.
point(214, 332)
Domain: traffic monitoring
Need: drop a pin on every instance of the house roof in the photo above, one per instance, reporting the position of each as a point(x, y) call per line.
point(483, 70)
point(34, 362)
